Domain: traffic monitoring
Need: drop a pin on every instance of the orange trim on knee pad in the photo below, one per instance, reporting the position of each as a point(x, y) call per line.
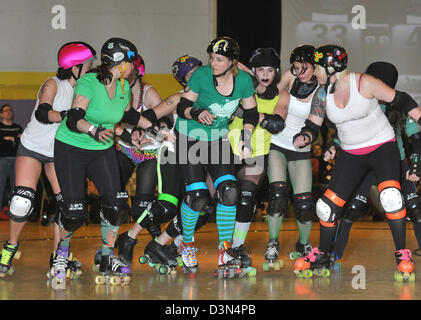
point(332, 196)
point(398, 215)
point(328, 224)
point(389, 184)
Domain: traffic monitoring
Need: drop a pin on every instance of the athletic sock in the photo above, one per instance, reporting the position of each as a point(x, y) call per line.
point(240, 233)
point(225, 221)
point(109, 235)
point(274, 224)
point(188, 219)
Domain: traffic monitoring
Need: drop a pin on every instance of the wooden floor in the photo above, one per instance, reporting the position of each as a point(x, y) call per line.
point(369, 254)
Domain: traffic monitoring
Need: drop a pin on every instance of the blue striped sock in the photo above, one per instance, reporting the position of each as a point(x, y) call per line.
point(188, 219)
point(225, 221)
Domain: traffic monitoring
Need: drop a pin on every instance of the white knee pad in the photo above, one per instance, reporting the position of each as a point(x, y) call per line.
point(391, 200)
point(21, 204)
point(324, 211)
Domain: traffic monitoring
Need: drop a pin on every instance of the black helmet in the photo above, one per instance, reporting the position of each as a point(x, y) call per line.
point(332, 56)
point(384, 71)
point(116, 50)
point(225, 46)
point(265, 57)
point(302, 53)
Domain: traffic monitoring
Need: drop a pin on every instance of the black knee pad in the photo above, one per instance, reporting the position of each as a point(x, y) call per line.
point(247, 205)
point(21, 203)
point(413, 208)
point(304, 207)
point(197, 199)
point(72, 214)
point(355, 208)
point(228, 193)
point(162, 211)
point(277, 199)
point(174, 228)
point(138, 207)
point(114, 208)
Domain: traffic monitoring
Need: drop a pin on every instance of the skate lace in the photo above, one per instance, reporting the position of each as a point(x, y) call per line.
point(60, 262)
point(116, 264)
point(6, 255)
point(405, 254)
point(189, 253)
point(312, 255)
point(272, 250)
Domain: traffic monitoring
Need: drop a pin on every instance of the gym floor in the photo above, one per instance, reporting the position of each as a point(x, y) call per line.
point(367, 269)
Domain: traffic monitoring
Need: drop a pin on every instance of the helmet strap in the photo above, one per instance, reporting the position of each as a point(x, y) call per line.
point(122, 71)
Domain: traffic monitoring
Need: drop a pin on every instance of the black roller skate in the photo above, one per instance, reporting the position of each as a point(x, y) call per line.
point(406, 266)
point(301, 250)
point(188, 255)
point(315, 263)
point(175, 253)
point(113, 271)
point(97, 260)
point(7, 254)
point(159, 257)
point(271, 256)
point(125, 245)
point(230, 264)
point(74, 265)
point(60, 270)
point(246, 261)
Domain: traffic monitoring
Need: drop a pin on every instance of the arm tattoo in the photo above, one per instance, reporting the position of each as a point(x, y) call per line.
point(318, 104)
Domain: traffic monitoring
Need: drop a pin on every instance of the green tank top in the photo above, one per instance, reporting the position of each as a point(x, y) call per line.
point(101, 110)
point(260, 140)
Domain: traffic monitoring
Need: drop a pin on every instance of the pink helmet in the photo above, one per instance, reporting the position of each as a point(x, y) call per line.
point(75, 53)
point(139, 64)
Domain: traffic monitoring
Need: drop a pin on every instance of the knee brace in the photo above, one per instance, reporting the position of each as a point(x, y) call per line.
point(355, 208)
point(304, 207)
point(72, 214)
point(247, 204)
point(277, 199)
point(197, 199)
point(227, 191)
point(21, 203)
point(329, 208)
point(413, 208)
point(114, 208)
point(391, 199)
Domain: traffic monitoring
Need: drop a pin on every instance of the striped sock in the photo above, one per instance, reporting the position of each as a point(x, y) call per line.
point(225, 221)
point(188, 219)
point(240, 233)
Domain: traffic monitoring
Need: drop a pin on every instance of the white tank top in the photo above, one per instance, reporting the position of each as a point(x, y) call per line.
point(140, 108)
point(298, 112)
point(39, 137)
point(361, 123)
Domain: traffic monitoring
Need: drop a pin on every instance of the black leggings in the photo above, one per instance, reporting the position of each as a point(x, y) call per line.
point(73, 165)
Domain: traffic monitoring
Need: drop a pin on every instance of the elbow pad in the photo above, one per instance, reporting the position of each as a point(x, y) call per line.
point(182, 106)
point(150, 115)
point(41, 114)
point(73, 116)
point(403, 102)
point(131, 117)
point(273, 123)
point(251, 116)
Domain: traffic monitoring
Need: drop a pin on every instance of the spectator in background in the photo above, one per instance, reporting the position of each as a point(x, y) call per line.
point(9, 140)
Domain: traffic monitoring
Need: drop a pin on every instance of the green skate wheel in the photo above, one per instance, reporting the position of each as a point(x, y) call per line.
point(294, 255)
point(163, 270)
point(252, 272)
point(180, 261)
point(325, 273)
point(266, 266)
point(307, 273)
point(398, 276)
point(412, 277)
point(99, 279)
point(143, 260)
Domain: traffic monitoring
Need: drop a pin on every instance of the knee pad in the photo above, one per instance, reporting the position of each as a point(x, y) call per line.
point(277, 199)
point(162, 211)
point(174, 228)
point(72, 214)
point(391, 199)
point(197, 199)
point(413, 208)
point(355, 208)
point(247, 204)
point(304, 207)
point(329, 207)
point(114, 208)
point(59, 205)
point(138, 207)
point(227, 192)
point(21, 203)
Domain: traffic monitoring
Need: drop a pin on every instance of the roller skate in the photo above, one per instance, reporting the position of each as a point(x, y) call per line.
point(159, 257)
point(246, 261)
point(97, 260)
point(60, 270)
point(113, 271)
point(315, 263)
point(125, 245)
point(406, 266)
point(73, 264)
point(230, 264)
point(175, 253)
point(271, 256)
point(188, 255)
point(7, 255)
point(301, 250)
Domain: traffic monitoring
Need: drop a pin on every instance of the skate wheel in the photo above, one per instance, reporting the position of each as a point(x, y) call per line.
point(278, 265)
point(266, 266)
point(114, 280)
point(337, 267)
point(163, 270)
point(306, 274)
point(173, 272)
point(217, 274)
point(252, 272)
point(180, 261)
point(324, 273)
point(99, 279)
point(126, 280)
point(143, 260)
point(231, 273)
point(294, 255)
